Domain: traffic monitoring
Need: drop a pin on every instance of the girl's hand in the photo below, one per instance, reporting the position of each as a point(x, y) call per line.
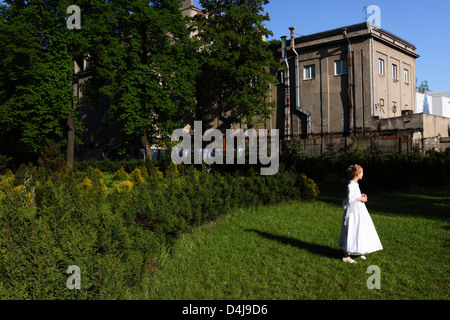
point(363, 198)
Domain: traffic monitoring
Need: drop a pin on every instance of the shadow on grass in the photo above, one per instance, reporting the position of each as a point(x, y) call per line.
point(317, 249)
point(418, 202)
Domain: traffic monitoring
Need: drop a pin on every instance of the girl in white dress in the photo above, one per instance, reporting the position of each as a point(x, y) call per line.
point(358, 235)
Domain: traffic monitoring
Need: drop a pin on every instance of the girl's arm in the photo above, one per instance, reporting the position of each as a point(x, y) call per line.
point(354, 195)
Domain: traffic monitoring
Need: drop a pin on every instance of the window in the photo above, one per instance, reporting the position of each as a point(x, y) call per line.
point(309, 72)
point(406, 75)
point(394, 72)
point(381, 66)
point(340, 67)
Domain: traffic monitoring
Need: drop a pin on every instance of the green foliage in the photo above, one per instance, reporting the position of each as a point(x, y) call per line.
point(50, 224)
point(136, 177)
point(146, 62)
point(109, 165)
point(308, 188)
point(294, 149)
point(423, 88)
point(331, 152)
point(36, 73)
point(98, 184)
point(120, 174)
point(51, 158)
point(382, 170)
point(355, 151)
point(124, 188)
point(63, 227)
point(4, 162)
point(235, 60)
point(374, 151)
point(172, 170)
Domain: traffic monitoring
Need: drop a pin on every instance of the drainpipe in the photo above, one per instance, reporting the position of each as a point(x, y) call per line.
point(287, 104)
point(297, 85)
point(350, 79)
point(373, 68)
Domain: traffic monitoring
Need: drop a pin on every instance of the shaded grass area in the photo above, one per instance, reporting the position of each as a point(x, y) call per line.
point(290, 252)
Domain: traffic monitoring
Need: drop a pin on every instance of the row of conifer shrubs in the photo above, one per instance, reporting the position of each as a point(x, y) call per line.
point(114, 235)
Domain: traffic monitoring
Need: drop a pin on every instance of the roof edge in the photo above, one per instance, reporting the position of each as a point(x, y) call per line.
point(350, 28)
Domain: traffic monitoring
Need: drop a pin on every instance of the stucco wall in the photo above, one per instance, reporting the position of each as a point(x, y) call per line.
point(397, 94)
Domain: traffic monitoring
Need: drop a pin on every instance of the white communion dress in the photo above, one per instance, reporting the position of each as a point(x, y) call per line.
point(358, 235)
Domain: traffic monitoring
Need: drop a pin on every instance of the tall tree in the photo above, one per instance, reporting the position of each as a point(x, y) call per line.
point(235, 60)
point(145, 60)
point(36, 72)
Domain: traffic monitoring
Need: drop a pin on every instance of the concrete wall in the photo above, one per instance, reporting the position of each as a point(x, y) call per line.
point(188, 9)
point(394, 135)
point(390, 144)
point(435, 125)
point(396, 94)
point(325, 97)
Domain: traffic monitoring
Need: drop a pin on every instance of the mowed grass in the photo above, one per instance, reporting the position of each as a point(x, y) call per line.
point(289, 252)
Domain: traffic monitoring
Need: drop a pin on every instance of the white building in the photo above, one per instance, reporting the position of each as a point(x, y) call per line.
point(433, 102)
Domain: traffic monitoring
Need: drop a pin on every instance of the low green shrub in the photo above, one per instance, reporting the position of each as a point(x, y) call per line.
point(136, 177)
point(66, 218)
point(382, 171)
point(120, 174)
point(4, 163)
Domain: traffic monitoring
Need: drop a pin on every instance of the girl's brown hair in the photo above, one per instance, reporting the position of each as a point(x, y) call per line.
point(353, 170)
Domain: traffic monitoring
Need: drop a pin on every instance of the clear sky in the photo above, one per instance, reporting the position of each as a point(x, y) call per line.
point(426, 24)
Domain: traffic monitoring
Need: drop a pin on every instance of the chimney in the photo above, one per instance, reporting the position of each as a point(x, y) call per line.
point(187, 4)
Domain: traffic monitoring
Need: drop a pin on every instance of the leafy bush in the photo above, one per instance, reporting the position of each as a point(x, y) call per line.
point(86, 185)
point(124, 188)
point(8, 182)
point(382, 170)
point(4, 162)
point(52, 220)
point(136, 177)
point(66, 226)
point(120, 174)
point(52, 159)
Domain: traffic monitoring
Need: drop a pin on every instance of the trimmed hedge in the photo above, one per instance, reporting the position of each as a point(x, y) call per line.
point(50, 221)
point(382, 171)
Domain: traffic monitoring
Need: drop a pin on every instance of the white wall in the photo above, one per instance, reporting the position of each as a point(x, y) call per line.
point(441, 106)
point(424, 103)
point(435, 103)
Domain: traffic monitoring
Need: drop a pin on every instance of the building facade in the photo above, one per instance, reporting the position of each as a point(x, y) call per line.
point(348, 84)
point(434, 102)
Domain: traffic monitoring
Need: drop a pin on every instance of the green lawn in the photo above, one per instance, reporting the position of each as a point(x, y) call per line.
point(290, 252)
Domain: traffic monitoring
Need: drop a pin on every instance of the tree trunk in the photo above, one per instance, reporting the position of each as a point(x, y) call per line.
point(70, 141)
point(146, 145)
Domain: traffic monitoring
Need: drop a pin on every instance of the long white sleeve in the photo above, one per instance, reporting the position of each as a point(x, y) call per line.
point(353, 192)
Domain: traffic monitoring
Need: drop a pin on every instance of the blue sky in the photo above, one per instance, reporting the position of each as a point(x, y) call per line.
point(423, 23)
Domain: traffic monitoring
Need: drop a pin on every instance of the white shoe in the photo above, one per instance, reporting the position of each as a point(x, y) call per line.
point(363, 257)
point(348, 259)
